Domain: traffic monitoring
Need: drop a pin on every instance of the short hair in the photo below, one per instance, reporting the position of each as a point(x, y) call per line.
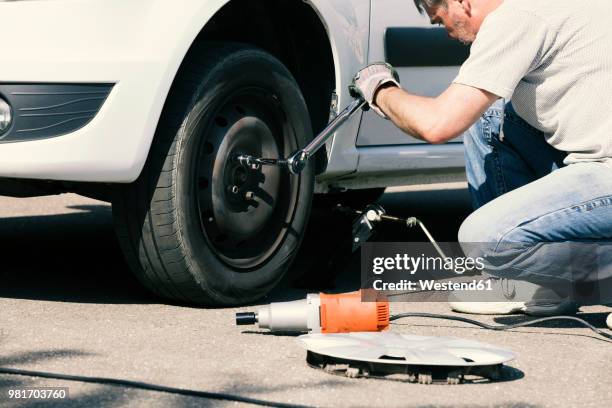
point(420, 4)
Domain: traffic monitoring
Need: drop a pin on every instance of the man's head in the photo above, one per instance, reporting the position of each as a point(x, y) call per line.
point(461, 18)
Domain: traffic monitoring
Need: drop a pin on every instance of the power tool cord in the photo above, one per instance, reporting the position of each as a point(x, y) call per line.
point(149, 387)
point(603, 334)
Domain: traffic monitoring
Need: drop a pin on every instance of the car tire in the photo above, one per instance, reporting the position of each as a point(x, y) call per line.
point(197, 226)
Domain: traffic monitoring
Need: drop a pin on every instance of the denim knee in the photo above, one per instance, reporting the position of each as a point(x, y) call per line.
point(477, 228)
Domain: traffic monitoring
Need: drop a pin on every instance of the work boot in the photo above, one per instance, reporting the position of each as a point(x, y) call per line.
point(512, 297)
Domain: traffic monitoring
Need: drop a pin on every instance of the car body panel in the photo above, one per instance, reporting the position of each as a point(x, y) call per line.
point(138, 47)
point(130, 44)
point(419, 79)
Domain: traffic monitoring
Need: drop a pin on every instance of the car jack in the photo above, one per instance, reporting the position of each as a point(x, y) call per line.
point(366, 220)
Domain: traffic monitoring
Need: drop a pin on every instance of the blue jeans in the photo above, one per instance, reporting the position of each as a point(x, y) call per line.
point(538, 219)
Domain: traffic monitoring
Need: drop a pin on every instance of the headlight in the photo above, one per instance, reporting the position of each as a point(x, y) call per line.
point(6, 116)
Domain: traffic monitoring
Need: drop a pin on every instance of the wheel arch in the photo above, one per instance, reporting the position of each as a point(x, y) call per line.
point(302, 43)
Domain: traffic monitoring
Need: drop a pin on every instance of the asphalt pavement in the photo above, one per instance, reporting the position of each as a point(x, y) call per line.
point(68, 304)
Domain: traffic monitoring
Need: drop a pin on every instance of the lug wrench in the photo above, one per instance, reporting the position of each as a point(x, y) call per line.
point(298, 160)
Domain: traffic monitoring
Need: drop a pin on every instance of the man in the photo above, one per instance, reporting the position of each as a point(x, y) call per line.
point(534, 103)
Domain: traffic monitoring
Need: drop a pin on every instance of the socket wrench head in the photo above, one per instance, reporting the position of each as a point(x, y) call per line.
point(297, 162)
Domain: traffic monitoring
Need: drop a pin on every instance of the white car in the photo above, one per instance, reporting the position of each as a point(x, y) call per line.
point(146, 103)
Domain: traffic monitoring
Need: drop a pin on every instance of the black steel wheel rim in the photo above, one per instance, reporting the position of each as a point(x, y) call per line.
point(245, 213)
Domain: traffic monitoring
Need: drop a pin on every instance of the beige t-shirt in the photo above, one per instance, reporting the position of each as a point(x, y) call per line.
point(553, 59)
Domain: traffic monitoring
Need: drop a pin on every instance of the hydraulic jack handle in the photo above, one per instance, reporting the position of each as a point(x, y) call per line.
point(298, 160)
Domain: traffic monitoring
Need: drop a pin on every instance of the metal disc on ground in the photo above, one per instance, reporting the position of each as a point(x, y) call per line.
point(405, 357)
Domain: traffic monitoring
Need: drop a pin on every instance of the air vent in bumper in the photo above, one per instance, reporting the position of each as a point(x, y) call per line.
point(42, 111)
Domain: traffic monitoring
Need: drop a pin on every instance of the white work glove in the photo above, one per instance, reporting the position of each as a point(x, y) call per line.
point(368, 80)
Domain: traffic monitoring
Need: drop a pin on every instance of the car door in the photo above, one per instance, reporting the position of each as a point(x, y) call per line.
point(427, 61)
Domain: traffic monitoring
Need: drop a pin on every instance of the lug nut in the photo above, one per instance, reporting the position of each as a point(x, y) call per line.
point(249, 195)
point(233, 189)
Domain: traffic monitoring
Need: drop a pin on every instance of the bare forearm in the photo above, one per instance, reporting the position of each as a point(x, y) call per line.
point(415, 115)
point(434, 120)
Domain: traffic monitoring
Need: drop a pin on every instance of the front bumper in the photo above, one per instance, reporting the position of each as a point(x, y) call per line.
point(126, 44)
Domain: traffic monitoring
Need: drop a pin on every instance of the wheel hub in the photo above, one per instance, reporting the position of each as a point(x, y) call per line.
point(244, 200)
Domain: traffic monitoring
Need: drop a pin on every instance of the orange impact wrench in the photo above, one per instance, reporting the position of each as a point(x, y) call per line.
point(321, 313)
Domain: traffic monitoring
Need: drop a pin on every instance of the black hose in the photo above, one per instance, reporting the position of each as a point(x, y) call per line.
point(149, 387)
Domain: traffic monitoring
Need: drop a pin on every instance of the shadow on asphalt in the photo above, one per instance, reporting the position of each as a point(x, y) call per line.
point(93, 399)
point(17, 382)
point(71, 257)
point(120, 395)
point(75, 257)
point(39, 356)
